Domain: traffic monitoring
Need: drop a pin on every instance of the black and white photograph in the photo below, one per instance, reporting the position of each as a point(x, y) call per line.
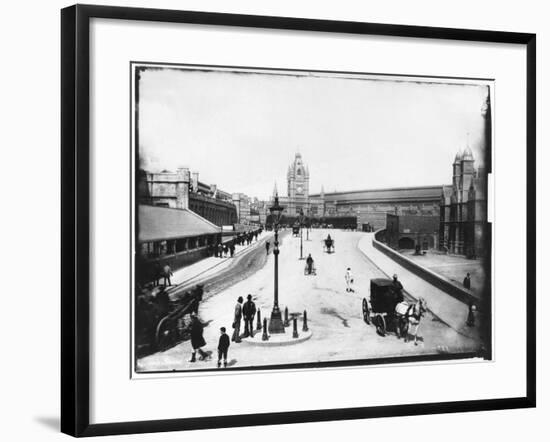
point(290, 218)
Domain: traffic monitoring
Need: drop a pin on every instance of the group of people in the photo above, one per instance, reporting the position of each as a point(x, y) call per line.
point(243, 311)
point(221, 250)
point(246, 312)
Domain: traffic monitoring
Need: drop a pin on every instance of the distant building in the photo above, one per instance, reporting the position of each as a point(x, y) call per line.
point(463, 212)
point(242, 204)
point(371, 206)
point(368, 207)
point(298, 199)
point(182, 190)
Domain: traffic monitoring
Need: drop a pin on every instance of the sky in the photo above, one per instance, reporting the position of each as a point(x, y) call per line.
point(241, 130)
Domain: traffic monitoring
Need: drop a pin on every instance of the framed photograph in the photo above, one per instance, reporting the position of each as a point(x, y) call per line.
point(337, 216)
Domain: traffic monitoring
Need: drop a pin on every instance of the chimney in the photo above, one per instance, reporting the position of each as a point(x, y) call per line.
point(182, 188)
point(195, 181)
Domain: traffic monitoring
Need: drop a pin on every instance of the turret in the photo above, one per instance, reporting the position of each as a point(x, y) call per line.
point(456, 168)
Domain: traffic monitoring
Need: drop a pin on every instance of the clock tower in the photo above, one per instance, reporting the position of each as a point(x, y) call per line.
point(297, 186)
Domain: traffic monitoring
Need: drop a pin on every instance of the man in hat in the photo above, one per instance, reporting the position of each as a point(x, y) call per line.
point(398, 289)
point(467, 282)
point(249, 311)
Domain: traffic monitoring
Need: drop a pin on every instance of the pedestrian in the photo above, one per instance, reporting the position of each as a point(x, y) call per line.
point(223, 347)
point(467, 281)
point(267, 247)
point(309, 263)
point(349, 280)
point(197, 339)
point(220, 250)
point(471, 321)
point(225, 250)
point(398, 289)
point(167, 271)
point(238, 314)
point(249, 311)
point(232, 249)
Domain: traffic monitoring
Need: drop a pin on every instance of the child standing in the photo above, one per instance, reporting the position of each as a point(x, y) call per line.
point(223, 346)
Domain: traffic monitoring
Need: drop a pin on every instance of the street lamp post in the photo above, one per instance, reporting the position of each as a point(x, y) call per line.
point(276, 321)
point(308, 226)
point(301, 218)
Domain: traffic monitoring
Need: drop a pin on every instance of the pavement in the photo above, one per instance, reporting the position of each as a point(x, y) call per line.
point(334, 315)
point(452, 267)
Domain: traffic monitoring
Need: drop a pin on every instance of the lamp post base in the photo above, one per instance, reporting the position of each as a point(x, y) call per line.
point(276, 322)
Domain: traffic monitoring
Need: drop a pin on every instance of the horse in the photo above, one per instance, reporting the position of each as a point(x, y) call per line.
point(408, 316)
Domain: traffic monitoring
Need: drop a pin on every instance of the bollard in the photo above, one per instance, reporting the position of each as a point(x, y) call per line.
point(286, 323)
point(259, 322)
point(295, 327)
point(265, 337)
point(304, 328)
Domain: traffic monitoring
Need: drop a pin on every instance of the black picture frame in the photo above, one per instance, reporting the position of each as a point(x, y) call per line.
point(75, 213)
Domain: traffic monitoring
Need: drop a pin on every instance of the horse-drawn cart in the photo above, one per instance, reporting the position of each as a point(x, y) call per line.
point(328, 244)
point(389, 312)
point(384, 297)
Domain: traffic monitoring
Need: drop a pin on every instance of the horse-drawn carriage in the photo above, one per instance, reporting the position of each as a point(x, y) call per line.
point(161, 322)
point(388, 312)
point(328, 245)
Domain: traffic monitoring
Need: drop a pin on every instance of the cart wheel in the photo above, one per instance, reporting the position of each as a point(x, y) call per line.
point(366, 313)
point(380, 325)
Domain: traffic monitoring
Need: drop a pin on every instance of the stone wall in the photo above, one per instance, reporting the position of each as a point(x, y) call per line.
point(449, 287)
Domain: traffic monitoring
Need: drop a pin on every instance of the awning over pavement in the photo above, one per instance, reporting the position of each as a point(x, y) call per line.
point(161, 223)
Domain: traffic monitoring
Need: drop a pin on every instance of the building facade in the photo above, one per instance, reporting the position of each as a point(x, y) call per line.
point(298, 199)
point(369, 207)
point(463, 226)
point(183, 190)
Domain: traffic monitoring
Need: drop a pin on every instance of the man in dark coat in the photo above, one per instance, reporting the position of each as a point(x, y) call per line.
point(249, 311)
point(267, 247)
point(197, 339)
point(466, 282)
point(223, 346)
point(309, 262)
point(237, 316)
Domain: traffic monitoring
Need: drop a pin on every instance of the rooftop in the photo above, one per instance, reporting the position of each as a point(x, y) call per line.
point(388, 194)
point(162, 223)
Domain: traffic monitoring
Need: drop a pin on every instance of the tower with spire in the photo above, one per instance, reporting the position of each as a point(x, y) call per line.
point(463, 208)
point(297, 186)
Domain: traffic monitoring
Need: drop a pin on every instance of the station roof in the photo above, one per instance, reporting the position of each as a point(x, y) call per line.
point(161, 223)
point(422, 193)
